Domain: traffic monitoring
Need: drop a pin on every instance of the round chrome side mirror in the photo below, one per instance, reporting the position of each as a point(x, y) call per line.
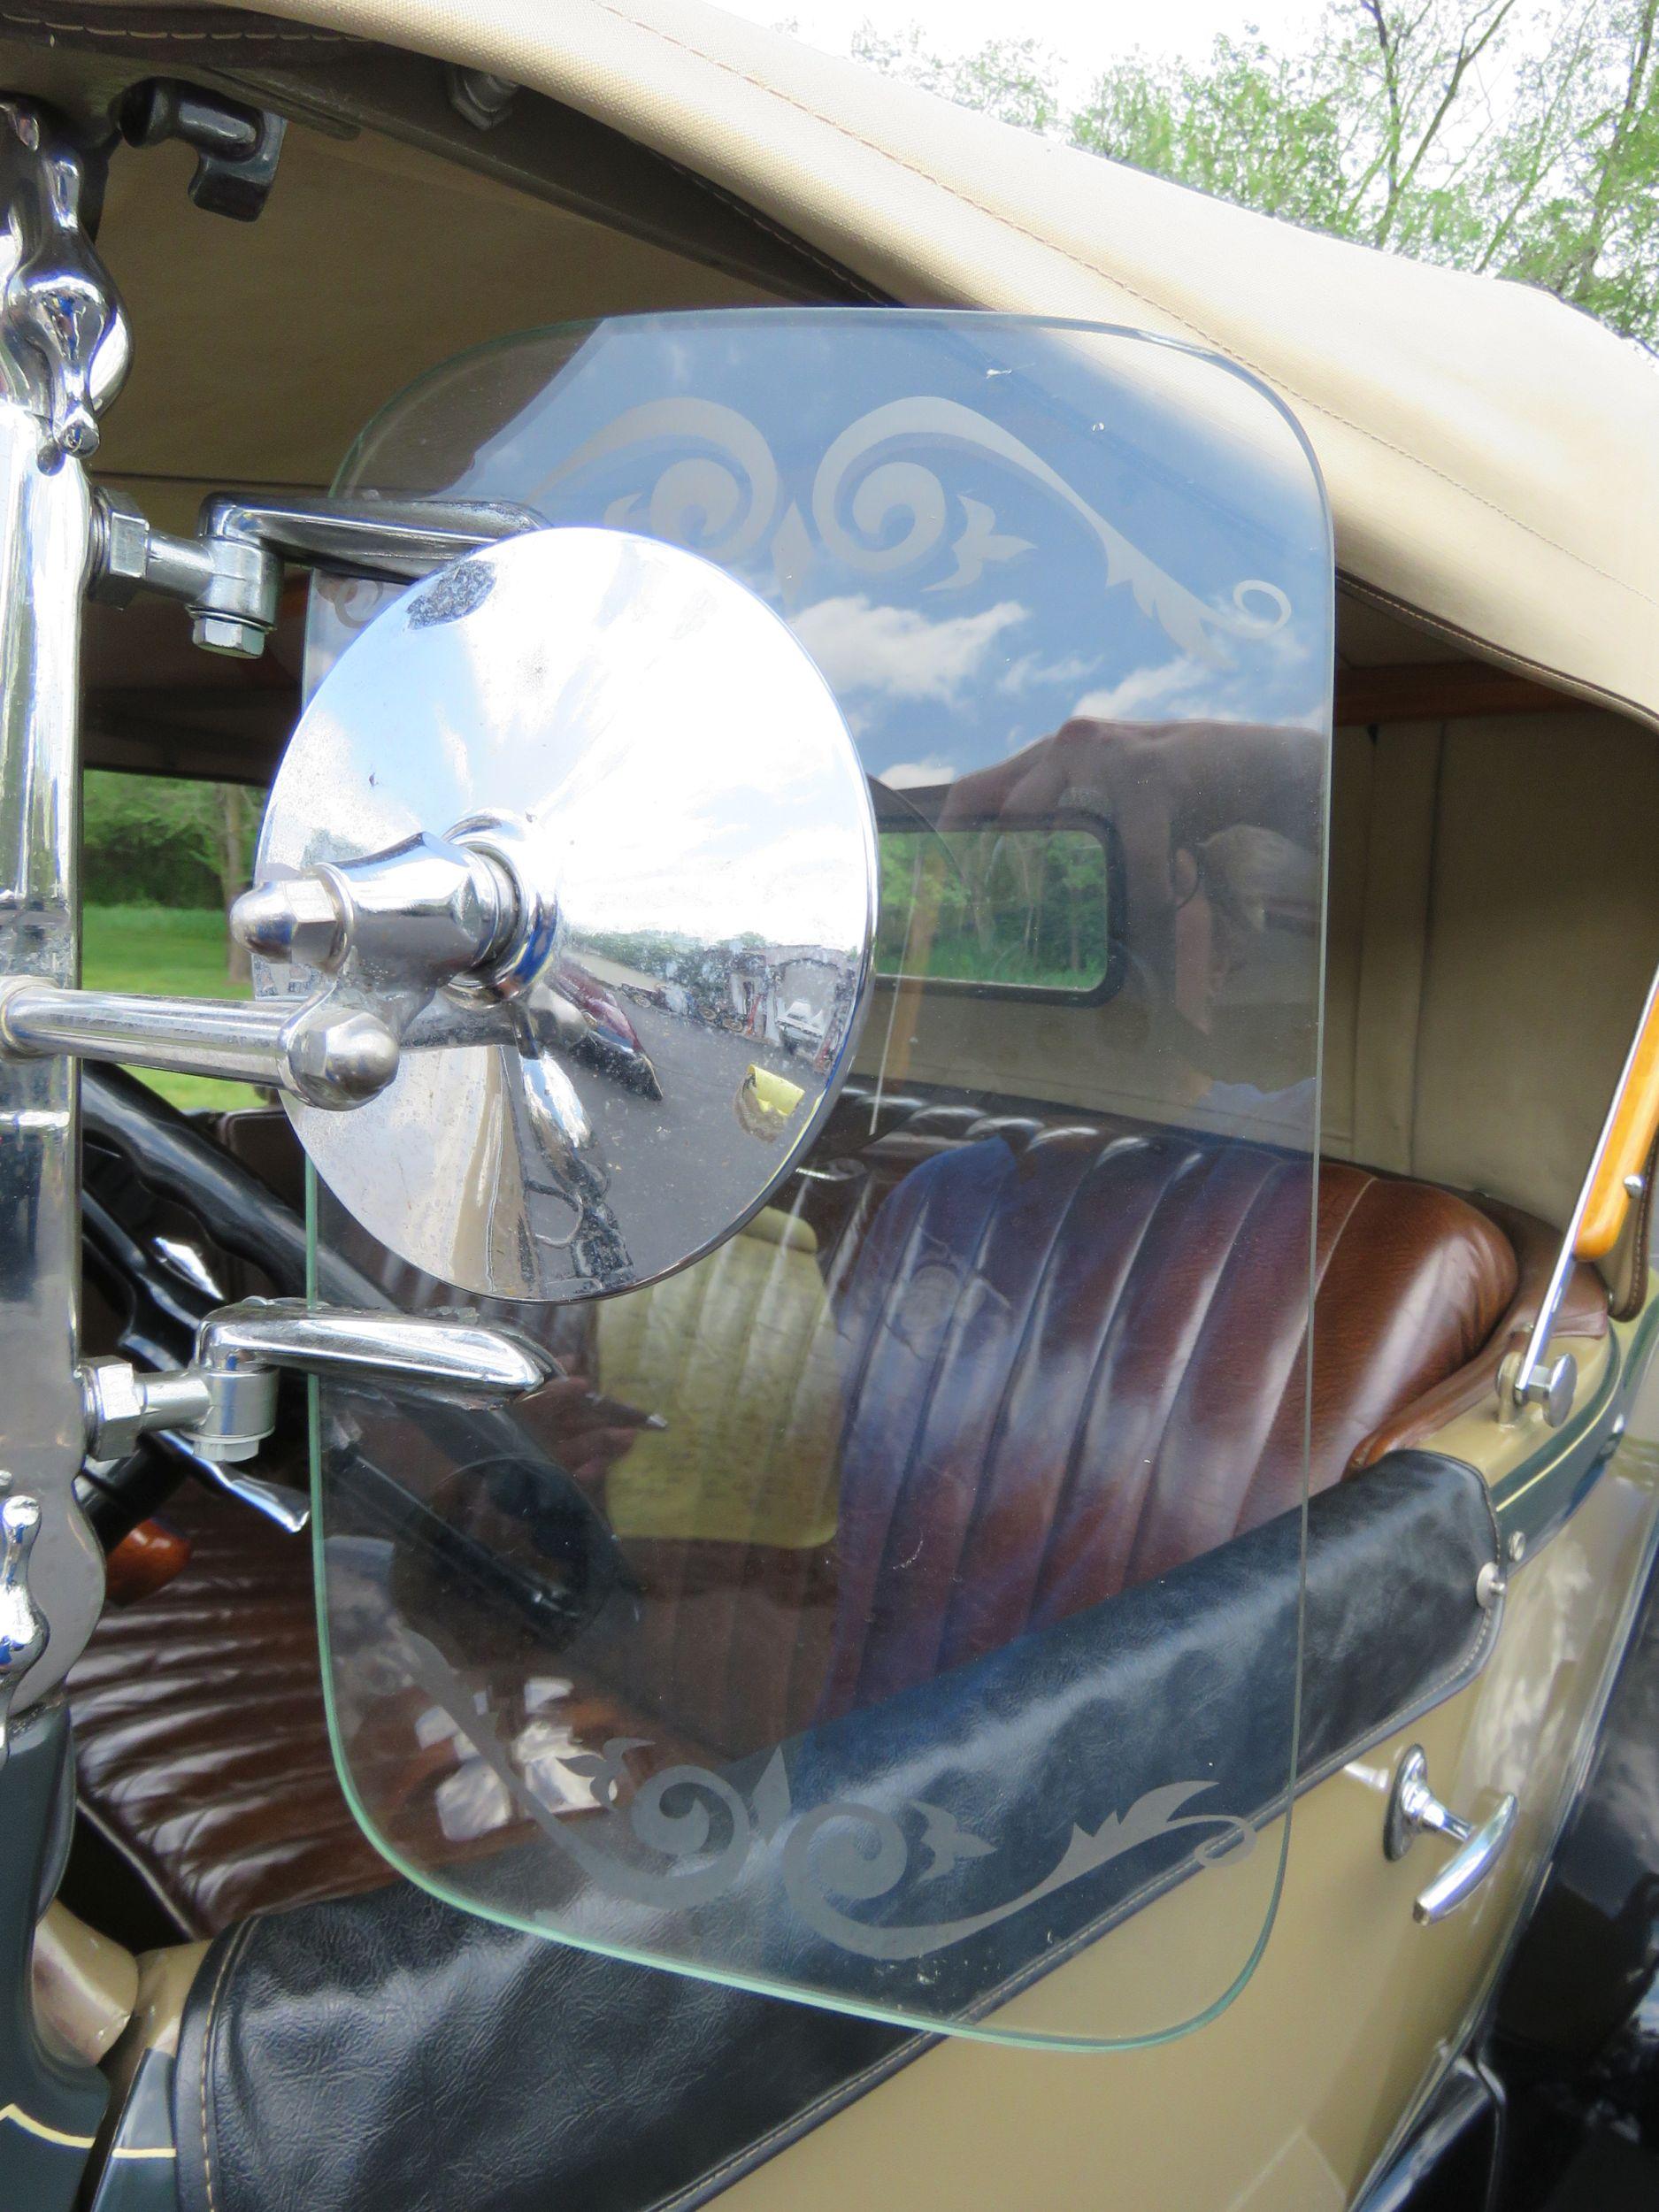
point(579, 821)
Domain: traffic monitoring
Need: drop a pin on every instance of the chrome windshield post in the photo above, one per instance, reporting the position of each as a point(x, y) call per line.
point(63, 354)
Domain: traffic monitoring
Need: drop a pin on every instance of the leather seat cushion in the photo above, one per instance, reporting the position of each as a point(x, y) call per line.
point(202, 1741)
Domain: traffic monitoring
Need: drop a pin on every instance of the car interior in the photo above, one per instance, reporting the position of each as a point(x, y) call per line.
point(996, 1231)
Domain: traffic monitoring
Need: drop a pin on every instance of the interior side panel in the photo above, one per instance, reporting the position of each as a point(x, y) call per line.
point(1543, 928)
point(1491, 885)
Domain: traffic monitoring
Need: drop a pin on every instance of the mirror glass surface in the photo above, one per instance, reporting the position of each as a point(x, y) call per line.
point(640, 740)
point(898, 1607)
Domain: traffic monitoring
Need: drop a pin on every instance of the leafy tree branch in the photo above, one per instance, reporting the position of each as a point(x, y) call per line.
point(1513, 138)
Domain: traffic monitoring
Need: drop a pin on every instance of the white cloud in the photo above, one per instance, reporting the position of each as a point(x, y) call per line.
point(864, 648)
point(1172, 684)
point(1031, 669)
point(1186, 690)
point(911, 775)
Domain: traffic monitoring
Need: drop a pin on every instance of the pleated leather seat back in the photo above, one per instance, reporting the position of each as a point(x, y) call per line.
point(1075, 1360)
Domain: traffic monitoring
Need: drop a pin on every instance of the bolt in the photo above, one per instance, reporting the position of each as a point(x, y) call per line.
point(481, 99)
point(223, 633)
point(1517, 1548)
point(120, 550)
point(1489, 1587)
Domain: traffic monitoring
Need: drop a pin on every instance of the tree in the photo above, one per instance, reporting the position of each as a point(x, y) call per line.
point(161, 840)
point(1260, 128)
point(1584, 161)
point(1014, 79)
point(1517, 138)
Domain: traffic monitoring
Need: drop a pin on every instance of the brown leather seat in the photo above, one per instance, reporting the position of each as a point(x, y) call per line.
point(1071, 1360)
point(200, 1735)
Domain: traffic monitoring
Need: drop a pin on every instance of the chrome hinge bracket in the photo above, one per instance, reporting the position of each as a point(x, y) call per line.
point(64, 344)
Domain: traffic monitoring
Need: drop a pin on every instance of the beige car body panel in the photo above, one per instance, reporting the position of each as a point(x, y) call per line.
point(1292, 2096)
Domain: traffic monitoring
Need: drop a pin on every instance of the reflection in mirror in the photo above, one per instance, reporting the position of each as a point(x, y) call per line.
point(996, 906)
point(933, 1643)
point(580, 819)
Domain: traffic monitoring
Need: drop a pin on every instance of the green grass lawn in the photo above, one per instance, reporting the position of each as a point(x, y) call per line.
point(167, 952)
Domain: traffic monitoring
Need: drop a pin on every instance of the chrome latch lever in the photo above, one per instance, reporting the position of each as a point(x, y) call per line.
point(1413, 1808)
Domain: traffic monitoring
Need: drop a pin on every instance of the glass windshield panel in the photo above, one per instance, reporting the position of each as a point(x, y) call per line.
point(899, 1608)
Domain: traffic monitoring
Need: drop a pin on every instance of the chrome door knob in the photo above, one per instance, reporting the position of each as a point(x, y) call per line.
point(1413, 1807)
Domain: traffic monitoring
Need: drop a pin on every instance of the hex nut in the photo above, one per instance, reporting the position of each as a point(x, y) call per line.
point(338, 1060)
point(113, 1395)
point(300, 921)
point(123, 545)
point(224, 633)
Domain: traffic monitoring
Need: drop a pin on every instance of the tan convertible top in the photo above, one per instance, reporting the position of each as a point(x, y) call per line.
point(1493, 457)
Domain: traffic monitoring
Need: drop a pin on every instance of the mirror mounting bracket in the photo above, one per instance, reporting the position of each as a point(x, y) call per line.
point(229, 575)
point(64, 346)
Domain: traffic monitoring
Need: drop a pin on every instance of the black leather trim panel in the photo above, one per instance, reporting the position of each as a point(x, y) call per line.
point(385, 2050)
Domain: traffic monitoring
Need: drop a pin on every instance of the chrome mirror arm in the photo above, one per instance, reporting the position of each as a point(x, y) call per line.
point(329, 1056)
point(229, 575)
point(223, 1406)
point(389, 931)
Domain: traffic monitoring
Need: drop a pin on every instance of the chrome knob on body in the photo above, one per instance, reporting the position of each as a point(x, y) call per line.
point(1413, 1808)
point(23, 1630)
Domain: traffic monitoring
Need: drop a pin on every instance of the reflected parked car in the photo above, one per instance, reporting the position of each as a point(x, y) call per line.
point(607, 1039)
point(801, 1027)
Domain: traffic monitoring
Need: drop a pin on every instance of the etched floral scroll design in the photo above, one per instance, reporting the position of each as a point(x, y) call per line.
point(875, 508)
point(840, 1849)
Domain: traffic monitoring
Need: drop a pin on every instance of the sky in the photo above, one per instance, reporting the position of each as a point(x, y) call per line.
point(1085, 34)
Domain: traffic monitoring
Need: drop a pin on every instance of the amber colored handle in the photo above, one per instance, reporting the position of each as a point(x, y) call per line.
point(146, 1560)
point(1630, 1136)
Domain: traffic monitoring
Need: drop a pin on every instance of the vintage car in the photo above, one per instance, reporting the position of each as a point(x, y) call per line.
point(908, 1448)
